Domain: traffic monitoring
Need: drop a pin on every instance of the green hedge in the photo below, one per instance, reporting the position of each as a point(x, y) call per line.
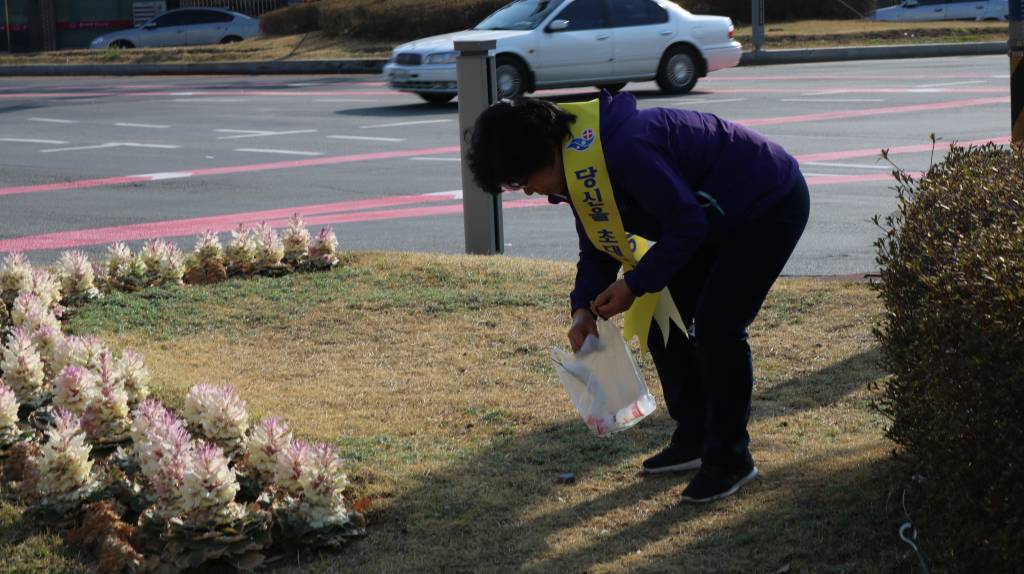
point(410, 19)
point(952, 265)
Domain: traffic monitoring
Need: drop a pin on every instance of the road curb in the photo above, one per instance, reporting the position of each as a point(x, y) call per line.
point(375, 66)
point(368, 66)
point(890, 52)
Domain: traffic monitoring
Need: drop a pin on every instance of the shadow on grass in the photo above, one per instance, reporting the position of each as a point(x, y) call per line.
point(822, 388)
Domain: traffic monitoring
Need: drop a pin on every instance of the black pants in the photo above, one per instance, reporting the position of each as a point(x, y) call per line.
point(708, 378)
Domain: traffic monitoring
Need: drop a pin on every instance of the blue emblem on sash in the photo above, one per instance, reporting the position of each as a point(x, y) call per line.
point(584, 142)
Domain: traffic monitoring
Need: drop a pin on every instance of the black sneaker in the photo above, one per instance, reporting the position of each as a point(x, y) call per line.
point(673, 458)
point(715, 483)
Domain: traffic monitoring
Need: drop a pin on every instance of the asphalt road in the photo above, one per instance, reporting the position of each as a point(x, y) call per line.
point(88, 161)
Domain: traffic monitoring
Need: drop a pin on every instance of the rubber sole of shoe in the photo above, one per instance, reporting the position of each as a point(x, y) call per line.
point(681, 467)
point(735, 488)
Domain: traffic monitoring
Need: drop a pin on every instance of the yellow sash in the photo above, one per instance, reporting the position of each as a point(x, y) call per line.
point(590, 190)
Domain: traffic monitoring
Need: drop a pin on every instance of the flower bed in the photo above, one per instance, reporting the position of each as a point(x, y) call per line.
point(143, 488)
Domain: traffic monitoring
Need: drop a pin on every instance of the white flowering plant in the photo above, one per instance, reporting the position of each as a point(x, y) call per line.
point(46, 286)
point(77, 278)
point(9, 430)
point(323, 252)
point(125, 271)
point(15, 276)
point(295, 240)
point(22, 367)
point(268, 250)
point(241, 251)
point(131, 372)
point(64, 478)
point(105, 418)
point(74, 388)
point(30, 312)
point(218, 415)
point(206, 263)
point(266, 442)
point(165, 263)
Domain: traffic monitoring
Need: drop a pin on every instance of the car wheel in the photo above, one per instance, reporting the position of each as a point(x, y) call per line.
point(677, 73)
point(437, 99)
point(511, 77)
point(123, 44)
point(613, 88)
point(230, 39)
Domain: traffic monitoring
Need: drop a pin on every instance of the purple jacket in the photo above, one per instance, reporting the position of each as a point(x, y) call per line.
point(681, 178)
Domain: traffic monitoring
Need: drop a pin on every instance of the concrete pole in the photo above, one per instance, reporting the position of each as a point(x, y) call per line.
point(757, 23)
point(1017, 70)
point(481, 211)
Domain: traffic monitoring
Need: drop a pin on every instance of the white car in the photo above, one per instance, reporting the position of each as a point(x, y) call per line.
point(923, 10)
point(545, 44)
point(183, 27)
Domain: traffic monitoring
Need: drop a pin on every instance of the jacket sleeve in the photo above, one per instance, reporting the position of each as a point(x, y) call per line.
point(663, 195)
point(595, 271)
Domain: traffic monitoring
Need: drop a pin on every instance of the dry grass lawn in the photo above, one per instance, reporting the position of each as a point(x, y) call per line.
point(432, 374)
point(318, 46)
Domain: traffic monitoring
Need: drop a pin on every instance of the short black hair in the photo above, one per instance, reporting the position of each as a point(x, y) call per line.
point(514, 138)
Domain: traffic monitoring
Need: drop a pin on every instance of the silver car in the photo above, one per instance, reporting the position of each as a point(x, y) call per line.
point(562, 43)
point(184, 27)
point(925, 10)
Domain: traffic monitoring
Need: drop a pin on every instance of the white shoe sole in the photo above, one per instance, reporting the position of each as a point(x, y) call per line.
point(681, 467)
point(735, 488)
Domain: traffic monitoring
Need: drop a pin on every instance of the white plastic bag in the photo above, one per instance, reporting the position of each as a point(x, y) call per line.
point(604, 382)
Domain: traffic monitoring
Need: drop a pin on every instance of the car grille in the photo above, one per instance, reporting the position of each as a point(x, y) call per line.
point(409, 59)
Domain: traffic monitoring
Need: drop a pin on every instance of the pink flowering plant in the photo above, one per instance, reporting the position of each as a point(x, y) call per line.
point(323, 252)
point(22, 367)
point(266, 442)
point(74, 388)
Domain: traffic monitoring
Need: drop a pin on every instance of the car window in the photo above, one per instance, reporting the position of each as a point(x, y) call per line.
point(520, 15)
point(176, 18)
point(210, 17)
point(930, 2)
point(637, 13)
point(584, 15)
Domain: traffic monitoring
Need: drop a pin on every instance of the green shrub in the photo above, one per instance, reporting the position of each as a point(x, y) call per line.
point(952, 266)
point(296, 19)
point(402, 19)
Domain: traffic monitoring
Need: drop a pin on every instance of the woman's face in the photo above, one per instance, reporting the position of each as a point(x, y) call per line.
point(545, 181)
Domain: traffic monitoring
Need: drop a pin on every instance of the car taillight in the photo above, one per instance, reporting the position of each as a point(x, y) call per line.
point(732, 32)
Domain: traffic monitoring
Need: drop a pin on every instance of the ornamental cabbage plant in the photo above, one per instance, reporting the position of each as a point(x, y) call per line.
point(77, 278)
point(63, 465)
point(22, 367)
point(295, 240)
point(217, 414)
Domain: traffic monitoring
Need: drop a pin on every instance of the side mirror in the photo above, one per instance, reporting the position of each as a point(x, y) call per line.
point(557, 25)
point(149, 25)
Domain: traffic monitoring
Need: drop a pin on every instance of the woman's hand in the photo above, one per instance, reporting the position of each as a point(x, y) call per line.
point(614, 300)
point(583, 324)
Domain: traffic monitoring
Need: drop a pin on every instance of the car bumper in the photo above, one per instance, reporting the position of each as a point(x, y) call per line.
point(437, 79)
point(724, 56)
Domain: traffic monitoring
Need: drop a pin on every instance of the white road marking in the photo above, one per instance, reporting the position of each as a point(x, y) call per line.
point(279, 151)
point(820, 174)
point(455, 193)
point(167, 175)
point(854, 165)
point(945, 84)
point(211, 100)
point(111, 145)
point(25, 140)
point(130, 125)
point(398, 124)
point(52, 121)
point(435, 158)
point(366, 138)
point(239, 134)
point(1002, 76)
point(345, 100)
point(181, 94)
point(695, 101)
point(835, 101)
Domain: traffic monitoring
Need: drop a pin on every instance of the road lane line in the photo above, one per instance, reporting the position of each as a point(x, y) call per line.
point(853, 165)
point(366, 138)
point(278, 151)
point(26, 140)
point(345, 100)
point(131, 125)
point(876, 152)
point(436, 158)
point(111, 145)
point(239, 134)
point(399, 124)
point(833, 101)
point(947, 84)
point(847, 114)
point(228, 170)
point(697, 101)
point(53, 121)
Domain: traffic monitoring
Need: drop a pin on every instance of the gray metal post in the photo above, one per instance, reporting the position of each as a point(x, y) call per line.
point(1017, 70)
point(757, 23)
point(7, 25)
point(481, 211)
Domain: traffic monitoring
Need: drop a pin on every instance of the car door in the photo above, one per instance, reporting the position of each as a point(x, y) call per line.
point(923, 10)
point(208, 27)
point(165, 30)
point(580, 52)
point(642, 33)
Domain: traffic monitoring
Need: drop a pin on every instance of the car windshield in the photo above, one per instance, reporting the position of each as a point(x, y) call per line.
point(519, 15)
